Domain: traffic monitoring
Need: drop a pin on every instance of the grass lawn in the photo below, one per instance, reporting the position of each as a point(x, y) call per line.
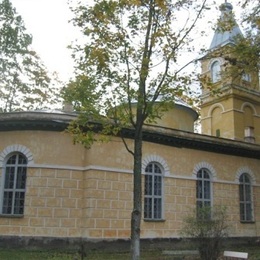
point(18, 254)
point(13, 254)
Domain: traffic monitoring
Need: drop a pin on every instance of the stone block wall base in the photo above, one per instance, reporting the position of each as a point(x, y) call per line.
point(120, 245)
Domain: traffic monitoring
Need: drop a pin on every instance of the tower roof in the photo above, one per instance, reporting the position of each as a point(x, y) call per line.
point(227, 29)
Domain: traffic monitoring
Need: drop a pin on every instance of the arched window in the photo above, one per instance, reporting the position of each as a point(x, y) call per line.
point(245, 197)
point(203, 188)
point(153, 192)
point(246, 77)
point(215, 71)
point(14, 184)
point(216, 121)
point(248, 116)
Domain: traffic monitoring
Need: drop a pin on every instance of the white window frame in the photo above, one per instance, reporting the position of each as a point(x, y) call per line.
point(156, 176)
point(10, 186)
point(245, 199)
point(203, 200)
point(215, 70)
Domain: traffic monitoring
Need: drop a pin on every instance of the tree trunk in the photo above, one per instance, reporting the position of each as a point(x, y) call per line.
point(137, 198)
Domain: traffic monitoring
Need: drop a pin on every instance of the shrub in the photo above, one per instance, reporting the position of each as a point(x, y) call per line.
point(208, 226)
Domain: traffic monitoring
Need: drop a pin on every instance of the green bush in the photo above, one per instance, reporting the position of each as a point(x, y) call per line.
point(208, 227)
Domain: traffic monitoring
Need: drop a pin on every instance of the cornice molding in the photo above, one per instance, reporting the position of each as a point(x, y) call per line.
point(151, 133)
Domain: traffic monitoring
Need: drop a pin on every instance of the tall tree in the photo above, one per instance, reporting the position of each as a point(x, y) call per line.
point(24, 81)
point(128, 63)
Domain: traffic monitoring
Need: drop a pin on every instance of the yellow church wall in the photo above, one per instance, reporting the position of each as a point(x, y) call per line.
point(179, 200)
point(110, 154)
point(257, 129)
point(179, 192)
point(107, 204)
point(48, 148)
point(227, 195)
point(73, 192)
point(171, 118)
point(53, 205)
point(182, 161)
point(231, 119)
point(233, 95)
point(218, 116)
point(53, 191)
point(243, 119)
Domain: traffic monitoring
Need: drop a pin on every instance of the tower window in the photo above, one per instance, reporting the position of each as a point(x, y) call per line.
point(215, 72)
point(246, 77)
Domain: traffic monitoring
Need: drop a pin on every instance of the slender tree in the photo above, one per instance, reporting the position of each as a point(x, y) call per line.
point(24, 81)
point(128, 63)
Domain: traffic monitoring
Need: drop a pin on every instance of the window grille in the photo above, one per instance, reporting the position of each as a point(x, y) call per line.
point(245, 196)
point(203, 189)
point(153, 192)
point(14, 185)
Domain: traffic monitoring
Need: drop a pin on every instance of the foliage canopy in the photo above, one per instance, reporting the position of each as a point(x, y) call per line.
point(24, 81)
point(130, 57)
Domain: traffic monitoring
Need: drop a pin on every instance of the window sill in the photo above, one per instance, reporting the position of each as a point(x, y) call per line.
point(247, 222)
point(154, 220)
point(11, 216)
point(215, 82)
point(246, 81)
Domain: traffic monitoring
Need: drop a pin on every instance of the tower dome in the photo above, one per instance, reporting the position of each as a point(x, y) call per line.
point(227, 30)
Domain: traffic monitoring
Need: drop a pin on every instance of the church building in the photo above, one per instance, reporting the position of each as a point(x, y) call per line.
point(51, 188)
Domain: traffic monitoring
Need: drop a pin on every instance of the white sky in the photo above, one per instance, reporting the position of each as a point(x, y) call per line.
point(47, 21)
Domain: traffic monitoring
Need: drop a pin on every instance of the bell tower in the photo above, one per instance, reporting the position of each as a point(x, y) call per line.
point(230, 102)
